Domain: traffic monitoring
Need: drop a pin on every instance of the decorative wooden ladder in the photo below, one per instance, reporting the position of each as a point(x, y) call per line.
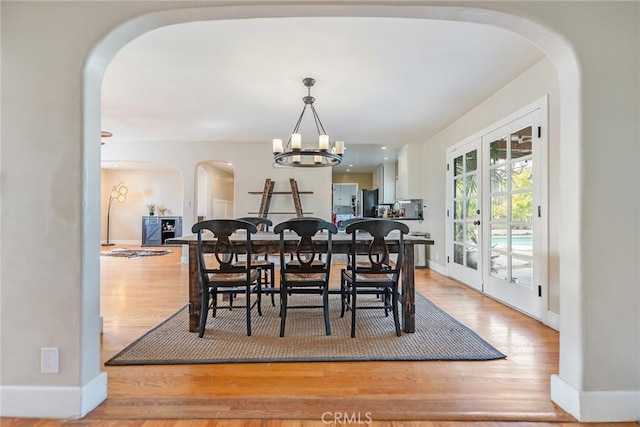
point(296, 197)
point(267, 192)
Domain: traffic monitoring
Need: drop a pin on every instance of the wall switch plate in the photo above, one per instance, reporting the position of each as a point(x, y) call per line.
point(49, 360)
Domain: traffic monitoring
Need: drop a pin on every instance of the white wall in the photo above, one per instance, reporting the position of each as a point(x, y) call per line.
point(253, 164)
point(50, 146)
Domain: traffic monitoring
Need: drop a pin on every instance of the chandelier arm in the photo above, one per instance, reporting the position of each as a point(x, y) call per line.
point(297, 126)
point(318, 121)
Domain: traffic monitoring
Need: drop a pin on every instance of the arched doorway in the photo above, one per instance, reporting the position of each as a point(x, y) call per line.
point(214, 188)
point(556, 48)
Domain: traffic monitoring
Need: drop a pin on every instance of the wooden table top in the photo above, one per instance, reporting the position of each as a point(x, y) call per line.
point(266, 237)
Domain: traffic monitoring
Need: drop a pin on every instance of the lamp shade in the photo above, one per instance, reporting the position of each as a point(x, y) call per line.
point(277, 146)
point(323, 142)
point(296, 141)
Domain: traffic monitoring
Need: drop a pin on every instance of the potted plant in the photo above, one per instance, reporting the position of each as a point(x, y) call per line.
point(152, 208)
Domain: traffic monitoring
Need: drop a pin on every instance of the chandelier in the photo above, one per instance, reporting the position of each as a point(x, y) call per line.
point(326, 154)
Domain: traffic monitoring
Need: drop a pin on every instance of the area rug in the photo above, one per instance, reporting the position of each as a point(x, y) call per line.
point(438, 336)
point(134, 253)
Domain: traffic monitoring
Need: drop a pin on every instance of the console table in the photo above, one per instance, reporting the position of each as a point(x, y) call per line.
point(157, 229)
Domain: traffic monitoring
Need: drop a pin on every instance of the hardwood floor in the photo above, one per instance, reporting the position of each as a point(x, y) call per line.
point(137, 294)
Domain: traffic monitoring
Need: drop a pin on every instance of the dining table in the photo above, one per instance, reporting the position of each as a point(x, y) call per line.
point(269, 242)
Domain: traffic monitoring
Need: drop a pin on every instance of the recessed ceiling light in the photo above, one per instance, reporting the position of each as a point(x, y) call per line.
point(350, 166)
point(383, 148)
point(386, 158)
point(348, 170)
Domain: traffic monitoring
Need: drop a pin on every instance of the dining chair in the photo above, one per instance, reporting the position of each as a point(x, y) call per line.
point(221, 276)
point(260, 260)
point(379, 275)
point(307, 275)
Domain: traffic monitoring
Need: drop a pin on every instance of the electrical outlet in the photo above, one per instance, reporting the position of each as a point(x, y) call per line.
point(49, 360)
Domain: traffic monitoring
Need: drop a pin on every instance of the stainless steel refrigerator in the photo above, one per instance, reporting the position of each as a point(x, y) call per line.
point(369, 201)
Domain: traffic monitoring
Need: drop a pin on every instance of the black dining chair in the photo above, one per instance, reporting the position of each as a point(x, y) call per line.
point(307, 275)
point(261, 260)
point(221, 276)
point(379, 275)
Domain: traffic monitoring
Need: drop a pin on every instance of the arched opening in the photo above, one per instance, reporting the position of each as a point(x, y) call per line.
point(214, 188)
point(553, 46)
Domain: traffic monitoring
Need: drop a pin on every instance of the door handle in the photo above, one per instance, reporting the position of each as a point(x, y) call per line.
point(476, 222)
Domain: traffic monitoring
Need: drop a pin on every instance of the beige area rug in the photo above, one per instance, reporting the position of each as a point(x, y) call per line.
point(438, 336)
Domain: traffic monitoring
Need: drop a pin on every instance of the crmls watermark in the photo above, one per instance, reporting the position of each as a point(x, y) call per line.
point(346, 418)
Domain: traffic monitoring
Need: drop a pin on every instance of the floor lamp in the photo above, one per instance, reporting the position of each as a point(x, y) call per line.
point(119, 193)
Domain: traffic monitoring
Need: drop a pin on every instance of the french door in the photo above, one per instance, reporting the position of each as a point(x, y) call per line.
point(496, 232)
point(511, 156)
point(465, 182)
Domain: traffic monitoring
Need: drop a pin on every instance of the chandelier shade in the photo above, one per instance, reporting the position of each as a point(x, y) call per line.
point(295, 155)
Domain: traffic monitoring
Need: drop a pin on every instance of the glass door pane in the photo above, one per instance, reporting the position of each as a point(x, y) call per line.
point(511, 200)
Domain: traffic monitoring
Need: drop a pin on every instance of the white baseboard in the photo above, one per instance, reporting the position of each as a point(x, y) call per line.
point(123, 242)
point(52, 402)
point(437, 267)
point(553, 320)
point(596, 406)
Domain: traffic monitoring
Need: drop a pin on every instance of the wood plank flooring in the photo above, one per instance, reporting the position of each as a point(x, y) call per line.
point(137, 294)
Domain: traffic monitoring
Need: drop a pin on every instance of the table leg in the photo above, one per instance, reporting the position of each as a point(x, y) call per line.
point(194, 289)
point(408, 290)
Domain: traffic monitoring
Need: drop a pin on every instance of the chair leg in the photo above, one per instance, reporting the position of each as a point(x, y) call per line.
point(214, 302)
point(204, 310)
point(248, 307)
point(353, 310)
point(272, 283)
point(283, 309)
point(343, 295)
point(396, 316)
point(325, 303)
point(386, 302)
point(259, 298)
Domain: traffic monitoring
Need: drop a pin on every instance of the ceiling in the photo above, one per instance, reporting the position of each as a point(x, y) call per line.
point(380, 82)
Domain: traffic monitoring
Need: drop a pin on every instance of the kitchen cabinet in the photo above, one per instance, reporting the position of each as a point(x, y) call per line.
point(342, 194)
point(157, 229)
point(384, 179)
